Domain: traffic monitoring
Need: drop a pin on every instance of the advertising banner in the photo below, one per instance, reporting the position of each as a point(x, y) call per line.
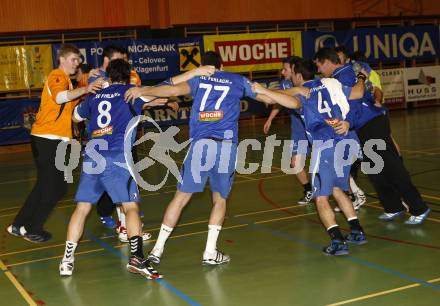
point(150, 58)
point(254, 51)
point(379, 44)
point(24, 67)
point(422, 83)
point(392, 86)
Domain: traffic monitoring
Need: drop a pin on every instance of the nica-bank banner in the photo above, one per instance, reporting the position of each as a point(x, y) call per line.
point(379, 44)
point(150, 58)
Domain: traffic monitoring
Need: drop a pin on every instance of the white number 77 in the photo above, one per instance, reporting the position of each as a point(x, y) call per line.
point(208, 87)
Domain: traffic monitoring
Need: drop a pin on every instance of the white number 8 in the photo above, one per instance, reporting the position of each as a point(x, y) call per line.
point(104, 113)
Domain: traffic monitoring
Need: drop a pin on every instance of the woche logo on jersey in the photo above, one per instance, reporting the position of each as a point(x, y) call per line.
point(256, 51)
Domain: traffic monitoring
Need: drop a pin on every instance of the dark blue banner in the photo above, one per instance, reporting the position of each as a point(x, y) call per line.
point(379, 44)
point(150, 58)
point(16, 119)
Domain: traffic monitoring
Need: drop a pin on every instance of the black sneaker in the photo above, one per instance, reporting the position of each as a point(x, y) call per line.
point(308, 195)
point(16, 231)
point(142, 266)
point(38, 238)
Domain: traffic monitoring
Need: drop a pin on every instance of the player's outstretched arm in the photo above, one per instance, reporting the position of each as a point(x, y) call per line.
point(275, 110)
point(200, 71)
point(70, 95)
point(159, 91)
point(358, 90)
point(279, 97)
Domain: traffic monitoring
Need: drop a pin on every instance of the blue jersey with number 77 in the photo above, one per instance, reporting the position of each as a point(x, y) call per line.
point(216, 106)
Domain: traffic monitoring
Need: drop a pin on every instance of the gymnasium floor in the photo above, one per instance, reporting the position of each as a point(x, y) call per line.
point(274, 243)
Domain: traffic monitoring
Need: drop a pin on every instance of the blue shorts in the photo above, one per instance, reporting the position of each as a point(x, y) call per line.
point(326, 173)
point(208, 158)
point(298, 136)
point(115, 180)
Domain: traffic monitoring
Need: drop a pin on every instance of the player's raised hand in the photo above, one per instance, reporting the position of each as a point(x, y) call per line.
point(204, 70)
point(95, 86)
point(132, 94)
point(94, 73)
point(342, 127)
point(303, 91)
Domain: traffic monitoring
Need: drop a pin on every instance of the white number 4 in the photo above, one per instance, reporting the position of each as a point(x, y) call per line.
point(323, 106)
point(208, 87)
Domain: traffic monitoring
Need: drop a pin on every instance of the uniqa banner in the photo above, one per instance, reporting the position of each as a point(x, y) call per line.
point(150, 58)
point(379, 44)
point(24, 67)
point(254, 51)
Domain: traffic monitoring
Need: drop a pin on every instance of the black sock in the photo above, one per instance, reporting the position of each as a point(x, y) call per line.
point(307, 187)
point(136, 246)
point(355, 225)
point(335, 233)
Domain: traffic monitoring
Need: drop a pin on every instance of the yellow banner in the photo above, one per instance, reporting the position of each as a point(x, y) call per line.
point(24, 67)
point(255, 51)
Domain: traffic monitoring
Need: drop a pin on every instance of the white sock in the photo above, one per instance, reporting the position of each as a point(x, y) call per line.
point(165, 232)
point(69, 251)
point(211, 242)
point(354, 187)
point(121, 216)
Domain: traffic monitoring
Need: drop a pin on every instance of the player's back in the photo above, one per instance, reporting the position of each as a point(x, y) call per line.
point(216, 106)
point(109, 115)
point(321, 113)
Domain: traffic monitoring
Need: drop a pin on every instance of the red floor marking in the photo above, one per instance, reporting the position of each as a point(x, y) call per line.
point(229, 241)
point(40, 302)
point(268, 200)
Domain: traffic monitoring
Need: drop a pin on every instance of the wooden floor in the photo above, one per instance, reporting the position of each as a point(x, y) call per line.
point(273, 242)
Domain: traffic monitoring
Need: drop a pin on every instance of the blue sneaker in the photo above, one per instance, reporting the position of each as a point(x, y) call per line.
point(414, 220)
point(390, 216)
point(108, 222)
point(336, 248)
point(356, 237)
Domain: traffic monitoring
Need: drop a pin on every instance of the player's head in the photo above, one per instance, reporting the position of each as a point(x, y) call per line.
point(288, 64)
point(343, 54)
point(124, 53)
point(358, 56)
point(111, 52)
point(118, 71)
point(213, 59)
point(304, 70)
point(69, 58)
point(327, 60)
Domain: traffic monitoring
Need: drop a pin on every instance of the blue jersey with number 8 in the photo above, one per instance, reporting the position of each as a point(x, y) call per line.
point(216, 106)
point(109, 115)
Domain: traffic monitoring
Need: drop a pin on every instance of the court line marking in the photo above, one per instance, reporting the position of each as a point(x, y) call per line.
point(380, 293)
point(17, 285)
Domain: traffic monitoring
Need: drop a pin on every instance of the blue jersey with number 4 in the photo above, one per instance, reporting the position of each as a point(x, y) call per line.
point(109, 115)
point(320, 113)
point(216, 106)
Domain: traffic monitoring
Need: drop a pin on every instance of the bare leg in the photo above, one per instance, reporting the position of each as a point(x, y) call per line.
point(77, 221)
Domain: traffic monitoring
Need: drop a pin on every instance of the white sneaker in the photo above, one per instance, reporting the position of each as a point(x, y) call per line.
point(123, 236)
point(154, 256)
point(360, 200)
point(66, 268)
point(216, 258)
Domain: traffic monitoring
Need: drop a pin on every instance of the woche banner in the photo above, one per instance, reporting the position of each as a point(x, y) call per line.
point(24, 67)
point(422, 83)
point(392, 86)
point(150, 58)
point(379, 44)
point(254, 51)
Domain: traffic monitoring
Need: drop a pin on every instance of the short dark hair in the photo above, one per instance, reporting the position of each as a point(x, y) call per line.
point(85, 68)
point(327, 54)
point(306, 68)
point(291, 60)
point(118, 70)
point(212, 58)
point(342, 49)
point(358, 56)
point(66, 49)
point(111, 49)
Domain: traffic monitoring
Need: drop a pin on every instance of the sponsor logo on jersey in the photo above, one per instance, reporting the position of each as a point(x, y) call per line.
point(211, 116)
point(108, 130)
